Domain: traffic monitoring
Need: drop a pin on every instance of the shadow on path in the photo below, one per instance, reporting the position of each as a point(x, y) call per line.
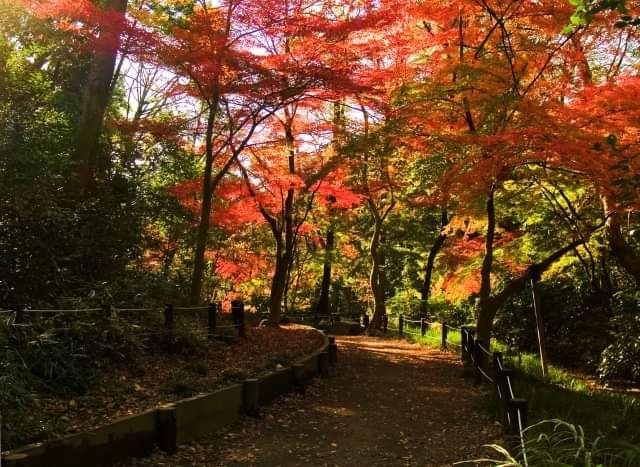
point(388, 403)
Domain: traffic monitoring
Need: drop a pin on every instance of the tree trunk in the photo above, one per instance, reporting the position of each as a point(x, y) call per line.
point(95, 100)
point(278, 283)
point(425, 291)
point(375, 278)
point(202, 234)
point(626, 256)
point(487, 309)
point(284, 253)
point(323, 302)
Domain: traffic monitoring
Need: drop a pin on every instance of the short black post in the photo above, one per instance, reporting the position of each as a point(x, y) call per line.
point(479, 361)
point(423, 327)
point(518, 412)
point(237, 315)
point(400, 325)
point(463, 345)
point(106, 311)
point(211, 318)
point(298, 376)
point(323, 364)
point(445, 333)
point(167, 429)
point(365, 321)
point(19, 318)
point(385, 322)
point(169, 324)
point(333, 351)
point(251, 397)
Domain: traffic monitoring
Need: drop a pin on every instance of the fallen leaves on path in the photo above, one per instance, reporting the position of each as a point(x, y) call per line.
point(387, 403)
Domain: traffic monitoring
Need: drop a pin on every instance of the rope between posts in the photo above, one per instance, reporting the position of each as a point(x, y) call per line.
point(412, 321)
point(484, 374)
point(511, 393)
point(187, 308)
point(454, 328)
point(483, 349)
point(520, 429)
point(77, 310)
point(134, 309)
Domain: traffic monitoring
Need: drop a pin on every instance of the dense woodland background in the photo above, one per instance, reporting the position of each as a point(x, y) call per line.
point(435, 158)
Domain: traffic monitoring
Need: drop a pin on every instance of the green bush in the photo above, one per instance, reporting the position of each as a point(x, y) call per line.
point(621, 359)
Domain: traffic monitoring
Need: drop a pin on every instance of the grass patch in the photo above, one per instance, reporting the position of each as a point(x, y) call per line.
point(561, 395)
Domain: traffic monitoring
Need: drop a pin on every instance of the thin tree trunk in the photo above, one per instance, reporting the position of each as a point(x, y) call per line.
point(626, 256)
point(425, 291)
point(95, 100)
point(375, 278)
point(323, 302)
point(284, 253)
point(487, 310)
point(278, 285)
point(207, 197)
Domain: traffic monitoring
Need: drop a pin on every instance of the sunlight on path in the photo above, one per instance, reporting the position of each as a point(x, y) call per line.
point(388, 403)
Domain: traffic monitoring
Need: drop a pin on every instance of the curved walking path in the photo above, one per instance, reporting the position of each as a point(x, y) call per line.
point(388, 403)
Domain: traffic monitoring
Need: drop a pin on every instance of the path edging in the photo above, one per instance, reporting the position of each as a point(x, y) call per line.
point(166, 426)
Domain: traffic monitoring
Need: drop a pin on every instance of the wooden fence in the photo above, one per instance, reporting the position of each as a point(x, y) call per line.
point(165, 321)
point(487, 367)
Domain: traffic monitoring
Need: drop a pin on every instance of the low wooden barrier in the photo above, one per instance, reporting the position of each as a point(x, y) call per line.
point(170, 425)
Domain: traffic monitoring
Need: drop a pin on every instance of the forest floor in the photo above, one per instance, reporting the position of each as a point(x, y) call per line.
point(387, 403)
point(151, 377)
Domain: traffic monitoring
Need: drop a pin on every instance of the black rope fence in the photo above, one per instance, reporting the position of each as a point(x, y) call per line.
point(489, 367)
point(145, 319)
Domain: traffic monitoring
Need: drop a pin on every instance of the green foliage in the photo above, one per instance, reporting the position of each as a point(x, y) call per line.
point(556, 443)
point(573, 317)
point(621, 358)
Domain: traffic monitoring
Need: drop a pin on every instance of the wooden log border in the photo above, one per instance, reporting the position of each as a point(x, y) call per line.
point(167, 426)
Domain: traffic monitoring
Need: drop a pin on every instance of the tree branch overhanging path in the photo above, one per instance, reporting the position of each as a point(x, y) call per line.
point(362, 415)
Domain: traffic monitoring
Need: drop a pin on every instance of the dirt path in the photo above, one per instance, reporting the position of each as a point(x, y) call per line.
point(389, 403)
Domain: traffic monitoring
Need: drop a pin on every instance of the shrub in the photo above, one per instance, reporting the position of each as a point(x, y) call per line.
point(621, 359)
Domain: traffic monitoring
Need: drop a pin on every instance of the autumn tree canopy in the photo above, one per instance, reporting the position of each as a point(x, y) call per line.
point(378, 157)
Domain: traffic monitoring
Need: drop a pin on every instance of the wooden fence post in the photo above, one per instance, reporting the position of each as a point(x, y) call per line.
point(169, 317)
point(237, 314)
point(19, 318)
point(167, 429)
point(464, 354)
point(385, 323)
point(445, 333)
point(400, 325)
point(106, 312)
point(365, 321)
point(169, 324)
point(298, 376)
point(478, 361)
point(323, 364)
point(333, 351)
point(502, 391)
point(521, 406)
point(423, 327)
point(211, 318)
point(250, 397)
